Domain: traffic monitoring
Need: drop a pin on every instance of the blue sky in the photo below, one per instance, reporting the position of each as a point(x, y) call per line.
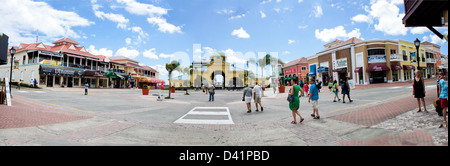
point(151, 31)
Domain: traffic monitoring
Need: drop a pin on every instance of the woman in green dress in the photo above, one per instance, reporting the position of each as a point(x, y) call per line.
point(295, 105)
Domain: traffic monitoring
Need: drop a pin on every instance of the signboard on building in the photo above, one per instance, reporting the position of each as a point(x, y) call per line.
point(376, 59)
point(290, 71)
point(341, 63)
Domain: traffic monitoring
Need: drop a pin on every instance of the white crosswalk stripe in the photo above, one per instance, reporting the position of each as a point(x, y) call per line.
point(207, 115)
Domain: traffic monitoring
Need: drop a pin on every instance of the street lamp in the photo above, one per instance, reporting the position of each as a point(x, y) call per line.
point(12, 51)
point(417, 44)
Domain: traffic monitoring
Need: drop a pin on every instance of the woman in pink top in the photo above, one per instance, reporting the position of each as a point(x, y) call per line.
point(306, 88)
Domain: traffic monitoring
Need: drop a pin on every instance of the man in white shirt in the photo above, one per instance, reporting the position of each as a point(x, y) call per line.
point(257, 96)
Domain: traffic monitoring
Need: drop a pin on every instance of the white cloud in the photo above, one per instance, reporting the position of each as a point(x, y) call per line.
point(129, 53)
point(327, 35)
point(237, 16)
point(385, 14)
point(225, 11)
point(302, 26)
point(362, 18)
point(419, 30)
point(142, 9)
point(240, 33)
point(128, 41)
point(263, 15)
point(162, 55)
point(434, 39)
point(118, 18)
point(151, 54)
point(300, 1)
point(101, 51)
point(317, 12)
point(154, 15)
point(265, 2)
point(291, 41)
point(21, 19)
point(164, 26)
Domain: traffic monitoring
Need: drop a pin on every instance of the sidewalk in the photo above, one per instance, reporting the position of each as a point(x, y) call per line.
point(383, 85)
point(375, 115)
point(26, 114)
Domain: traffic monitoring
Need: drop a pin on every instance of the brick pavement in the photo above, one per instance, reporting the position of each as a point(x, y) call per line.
point(415, 138)
point(377, 114)
point(26, 114)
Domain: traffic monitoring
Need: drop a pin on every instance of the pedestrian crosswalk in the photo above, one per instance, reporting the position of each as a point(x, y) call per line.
point(207, 115)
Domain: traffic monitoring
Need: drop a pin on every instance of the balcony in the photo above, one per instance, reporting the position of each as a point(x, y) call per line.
point(429, 60)
point(396, 58)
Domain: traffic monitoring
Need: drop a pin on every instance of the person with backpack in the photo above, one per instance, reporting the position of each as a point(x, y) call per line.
point(336, 91)
point(345, 91)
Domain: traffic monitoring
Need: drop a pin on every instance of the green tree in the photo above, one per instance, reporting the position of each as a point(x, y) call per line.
point(170, 68)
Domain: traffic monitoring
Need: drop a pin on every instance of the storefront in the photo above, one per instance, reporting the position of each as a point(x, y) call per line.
point(408, 72)
point(57, 76)
point(378, 73)
point(396, 72)
point(97, 79)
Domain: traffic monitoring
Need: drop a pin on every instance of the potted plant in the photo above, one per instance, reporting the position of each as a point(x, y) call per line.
point(145, 90)
point(281, 89)
point(172, 89)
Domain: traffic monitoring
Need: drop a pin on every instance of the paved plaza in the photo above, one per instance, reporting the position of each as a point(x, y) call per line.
point(384, 115)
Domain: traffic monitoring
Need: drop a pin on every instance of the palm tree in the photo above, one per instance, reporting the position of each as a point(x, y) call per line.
point(170, 68)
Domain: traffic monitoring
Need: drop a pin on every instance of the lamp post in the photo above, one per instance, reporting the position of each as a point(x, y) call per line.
point(417, 44)
point(12, 51)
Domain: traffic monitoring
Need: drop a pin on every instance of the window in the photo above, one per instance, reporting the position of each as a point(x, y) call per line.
point(393, 51)
point(405, 57)
point(21, 76)
point(304, 68)
point(376, 52)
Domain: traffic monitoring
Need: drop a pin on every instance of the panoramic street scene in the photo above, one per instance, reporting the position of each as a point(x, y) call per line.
point(224, 73)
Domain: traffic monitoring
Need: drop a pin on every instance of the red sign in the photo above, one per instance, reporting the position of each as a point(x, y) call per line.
point(290, 71)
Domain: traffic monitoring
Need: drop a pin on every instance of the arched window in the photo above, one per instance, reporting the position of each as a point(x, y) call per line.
point(21, 76)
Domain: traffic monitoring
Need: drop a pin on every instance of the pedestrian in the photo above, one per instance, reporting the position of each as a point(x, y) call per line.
point(419, 91)
point(336, 91)
point(345, 91)
point(211, 90)
point(314, 99)
point(306, 88)
point(295, 104)
point(443, 97)
point(18, 85)
point(257, 96)
point(330, 86)
point(86, 87)
point(35, 83)
point(247, 98)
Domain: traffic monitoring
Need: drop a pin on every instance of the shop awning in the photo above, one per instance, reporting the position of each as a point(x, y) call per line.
point(150, 80)
point(340, 69)
point(322, 70)
point(396, 67)
point(378, 67)
point(358, 69)
point(111, 75)
point(94, 73)
point(60, 71)
point(409, 67)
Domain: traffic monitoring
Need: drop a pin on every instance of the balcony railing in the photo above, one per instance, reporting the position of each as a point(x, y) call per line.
point(429, 60)
point(396, 57)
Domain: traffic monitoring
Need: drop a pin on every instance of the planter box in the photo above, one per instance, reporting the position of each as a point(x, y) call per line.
point(172, 90)
point(282, 89)
point(145, 91)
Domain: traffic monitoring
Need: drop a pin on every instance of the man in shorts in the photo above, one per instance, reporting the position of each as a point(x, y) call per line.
point(257, 96)
point(314, 98)
point(248, 98)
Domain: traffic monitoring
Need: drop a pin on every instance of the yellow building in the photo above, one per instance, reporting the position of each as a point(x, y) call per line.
point(216, 71)
point(408, 51)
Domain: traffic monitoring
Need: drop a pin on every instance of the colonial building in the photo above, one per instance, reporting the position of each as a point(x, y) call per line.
point(296, 69)
point(65, 64)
